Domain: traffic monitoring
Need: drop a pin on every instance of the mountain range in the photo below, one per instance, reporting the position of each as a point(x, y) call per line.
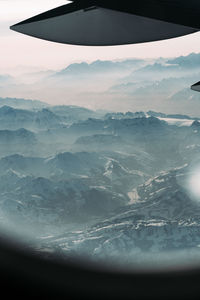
point(116, 85)
point(161, 219)
point(119, 185)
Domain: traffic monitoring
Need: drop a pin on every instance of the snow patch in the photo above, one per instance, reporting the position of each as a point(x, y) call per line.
point(133, 196)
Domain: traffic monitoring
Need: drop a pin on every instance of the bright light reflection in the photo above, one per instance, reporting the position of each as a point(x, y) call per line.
point(194, 183)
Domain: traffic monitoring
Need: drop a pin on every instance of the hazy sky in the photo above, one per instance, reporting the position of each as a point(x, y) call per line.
point(17, 49)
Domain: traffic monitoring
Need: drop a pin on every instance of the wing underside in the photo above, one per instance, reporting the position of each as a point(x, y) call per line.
point(97, 23)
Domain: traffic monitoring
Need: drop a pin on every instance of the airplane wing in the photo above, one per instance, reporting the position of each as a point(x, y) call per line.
point(196, 87)
point(108, 23)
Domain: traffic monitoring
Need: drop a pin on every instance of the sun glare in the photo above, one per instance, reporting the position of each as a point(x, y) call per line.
point(194, 183)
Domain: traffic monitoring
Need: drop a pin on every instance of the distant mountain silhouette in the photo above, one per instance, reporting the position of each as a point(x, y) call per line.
point(99, 67)
point(187, 62)
point(22, 103)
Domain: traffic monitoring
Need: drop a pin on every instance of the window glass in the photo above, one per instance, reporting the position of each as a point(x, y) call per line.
point(100, 147)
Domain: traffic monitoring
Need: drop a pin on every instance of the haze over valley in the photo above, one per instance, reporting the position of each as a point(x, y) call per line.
point(130, 85)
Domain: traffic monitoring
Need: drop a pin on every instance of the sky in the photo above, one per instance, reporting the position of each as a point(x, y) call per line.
point(21, 50)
